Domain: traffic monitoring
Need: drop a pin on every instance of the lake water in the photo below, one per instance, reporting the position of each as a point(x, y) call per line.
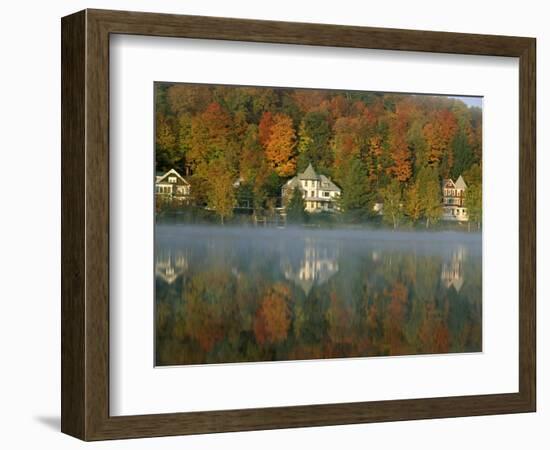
point(262, 294)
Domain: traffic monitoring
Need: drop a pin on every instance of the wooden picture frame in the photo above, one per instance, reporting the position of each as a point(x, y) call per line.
point(85, 224)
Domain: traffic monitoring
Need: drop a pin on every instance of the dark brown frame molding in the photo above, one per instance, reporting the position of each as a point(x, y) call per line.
point(85, 224)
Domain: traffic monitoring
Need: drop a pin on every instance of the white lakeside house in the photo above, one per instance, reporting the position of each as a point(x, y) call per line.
point(454, 208)
point(172, 186)
point(318, 191)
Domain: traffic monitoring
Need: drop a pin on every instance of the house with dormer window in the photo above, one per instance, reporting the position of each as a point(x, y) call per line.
point(319, 192)
point(172, 186)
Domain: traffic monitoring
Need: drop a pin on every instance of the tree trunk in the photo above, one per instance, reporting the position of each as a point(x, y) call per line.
point(221, 217)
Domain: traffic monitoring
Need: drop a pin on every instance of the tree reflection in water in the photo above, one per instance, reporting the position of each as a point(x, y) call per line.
point(235, 295)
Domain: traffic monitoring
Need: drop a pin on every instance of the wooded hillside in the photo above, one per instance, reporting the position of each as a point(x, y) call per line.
point(390, 148)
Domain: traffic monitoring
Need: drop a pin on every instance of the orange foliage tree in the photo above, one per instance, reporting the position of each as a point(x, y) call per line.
point(280, 147)
point(399, 147)
point(439, 133)
point(264, 128)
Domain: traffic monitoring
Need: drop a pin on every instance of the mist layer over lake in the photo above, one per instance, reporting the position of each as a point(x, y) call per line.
point(228, 294)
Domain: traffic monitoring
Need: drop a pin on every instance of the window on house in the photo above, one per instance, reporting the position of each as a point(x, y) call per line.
point(172, 180)
point(326, 194)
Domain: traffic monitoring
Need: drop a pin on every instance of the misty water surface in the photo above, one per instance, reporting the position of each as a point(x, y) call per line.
point(257, 294)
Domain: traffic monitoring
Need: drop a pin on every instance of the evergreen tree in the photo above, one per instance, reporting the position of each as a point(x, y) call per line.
point(313, 144)
point(165, 144)
point(295, 210)
point(463, 154)
point(473, 196)
point(183, 141)
point(357, 199)
point(430, 193)
point(417, 143)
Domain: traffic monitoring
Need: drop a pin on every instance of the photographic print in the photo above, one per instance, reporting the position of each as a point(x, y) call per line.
point(295, 224)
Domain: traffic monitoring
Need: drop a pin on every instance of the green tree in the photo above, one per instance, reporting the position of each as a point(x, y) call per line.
point(463, 154)
point(253, 166)
point(183, 140)
point(417, 143)
point(213, 136)
point(165, 144)
point(473, 201)
point(220, 194)
point(413, 202)
point(313, 142)
point(357, 199)
point(430, 193)
point(473, 175)
point(473, 196)
point(393, 203)
point(295, 210)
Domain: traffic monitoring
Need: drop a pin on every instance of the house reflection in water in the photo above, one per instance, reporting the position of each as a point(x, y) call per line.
point(318, 263)
point(168, 266)
point(452, 271)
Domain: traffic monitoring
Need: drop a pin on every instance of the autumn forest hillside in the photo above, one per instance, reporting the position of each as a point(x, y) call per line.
point(385, 148)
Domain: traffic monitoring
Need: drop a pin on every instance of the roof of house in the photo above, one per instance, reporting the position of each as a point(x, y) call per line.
point(308, 174)
point(171, 172)
point(292, 183)
point(458, 184)
point(328, 185)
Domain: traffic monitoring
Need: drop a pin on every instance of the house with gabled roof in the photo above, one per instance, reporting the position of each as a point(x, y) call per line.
point(454, 192)
point(172, 186)
point(319, 192)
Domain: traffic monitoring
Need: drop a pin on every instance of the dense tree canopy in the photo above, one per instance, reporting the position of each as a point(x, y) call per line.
point(373, 145)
